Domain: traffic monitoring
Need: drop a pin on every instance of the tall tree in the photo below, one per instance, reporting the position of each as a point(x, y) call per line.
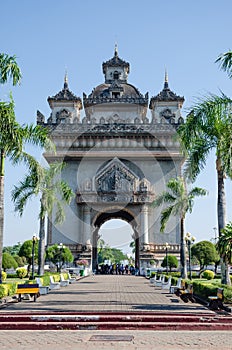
point(13, 139)
point(54, 193)
point(178, 201)
point(208, 128)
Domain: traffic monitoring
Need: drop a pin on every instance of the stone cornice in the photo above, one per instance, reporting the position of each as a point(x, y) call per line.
point(90, 101)
point(93, 197)
point(116, 128)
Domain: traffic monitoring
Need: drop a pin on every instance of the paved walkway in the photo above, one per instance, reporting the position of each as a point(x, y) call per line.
point(109, 294)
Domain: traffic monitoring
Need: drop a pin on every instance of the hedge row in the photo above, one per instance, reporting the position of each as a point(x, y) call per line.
point(204, 289)
point(9, 289)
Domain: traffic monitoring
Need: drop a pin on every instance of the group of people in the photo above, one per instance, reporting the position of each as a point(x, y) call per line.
point(115, 269)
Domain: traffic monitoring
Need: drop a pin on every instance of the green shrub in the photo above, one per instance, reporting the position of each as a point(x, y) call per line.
point(12, 275)
point(4, 275)
point(209, 275)
point(3, 290)
point(228, 295)
point(7, 289)
point(21, 272)
point(56, 277)
point(65, 274)
point(12, 288)
point(46, 280)
point(8, 261)
point(152, 274)
point(204, 289)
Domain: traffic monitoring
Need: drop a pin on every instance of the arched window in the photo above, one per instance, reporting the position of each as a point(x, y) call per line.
point(116, 75)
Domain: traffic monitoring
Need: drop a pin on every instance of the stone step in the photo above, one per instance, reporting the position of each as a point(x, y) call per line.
point(195, 326)
point(112, 321)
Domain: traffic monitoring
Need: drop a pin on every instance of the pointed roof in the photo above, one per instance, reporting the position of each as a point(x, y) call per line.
point(166, 94)
point(65, 94)
point(115, 61)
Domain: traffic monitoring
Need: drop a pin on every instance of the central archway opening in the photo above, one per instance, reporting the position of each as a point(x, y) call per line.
point(116, 230)
point(117, 233)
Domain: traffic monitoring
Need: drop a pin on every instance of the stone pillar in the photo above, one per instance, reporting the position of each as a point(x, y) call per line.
point(144, 224)
point(94, 254)
point(87, 225)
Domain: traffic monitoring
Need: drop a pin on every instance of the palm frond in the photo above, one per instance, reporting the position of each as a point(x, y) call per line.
point(197, 157)
point(225, 62)
point(197, 192)
point(9, 69)
point(165, 215)
point(164, 197)
point(37, 135)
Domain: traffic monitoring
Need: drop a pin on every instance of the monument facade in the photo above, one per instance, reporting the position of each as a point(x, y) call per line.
point(119, 155)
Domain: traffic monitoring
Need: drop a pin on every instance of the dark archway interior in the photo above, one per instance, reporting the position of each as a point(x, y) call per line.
point(121, 214)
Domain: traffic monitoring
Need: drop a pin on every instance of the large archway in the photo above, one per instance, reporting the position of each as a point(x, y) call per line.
point(118, 234)
point(121, 216)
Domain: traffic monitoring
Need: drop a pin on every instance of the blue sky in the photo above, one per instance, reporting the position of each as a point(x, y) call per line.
point(51, 36)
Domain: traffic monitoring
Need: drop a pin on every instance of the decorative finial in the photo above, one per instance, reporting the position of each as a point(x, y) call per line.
point(116, 50)
point(166, 79)
point(66, 80)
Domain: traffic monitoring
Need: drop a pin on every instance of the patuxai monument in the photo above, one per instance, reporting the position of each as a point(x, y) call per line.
point(120, 151)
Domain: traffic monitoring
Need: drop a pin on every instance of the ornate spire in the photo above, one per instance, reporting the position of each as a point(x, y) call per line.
point(66, 80)
point(166, 94)
point(116, 50)
point(166, 80)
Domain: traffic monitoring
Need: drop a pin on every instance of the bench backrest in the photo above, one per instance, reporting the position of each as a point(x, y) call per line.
point(28, 285)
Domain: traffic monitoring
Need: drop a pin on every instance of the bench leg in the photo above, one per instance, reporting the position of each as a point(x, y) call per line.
point(184, 297)
point(20, 298)
point(213, 304)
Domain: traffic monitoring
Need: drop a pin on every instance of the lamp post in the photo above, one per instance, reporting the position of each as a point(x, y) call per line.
point(189, 239)
point(34, 240)
point(166, 251)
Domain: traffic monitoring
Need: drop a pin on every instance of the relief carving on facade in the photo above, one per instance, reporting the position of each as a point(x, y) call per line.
point(63, 116)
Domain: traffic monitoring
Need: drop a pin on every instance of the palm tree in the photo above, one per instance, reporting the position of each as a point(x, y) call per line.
point(208, 128)
point(54, 193)
point(224, 245)
point(14, 137)
point(179, 201)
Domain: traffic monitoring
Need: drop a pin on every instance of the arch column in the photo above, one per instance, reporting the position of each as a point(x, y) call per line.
point(94, 252)
point(137, 245)
point(87, 225)
point(144, 224)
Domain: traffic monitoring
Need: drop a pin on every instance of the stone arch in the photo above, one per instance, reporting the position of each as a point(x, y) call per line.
point(115, 212)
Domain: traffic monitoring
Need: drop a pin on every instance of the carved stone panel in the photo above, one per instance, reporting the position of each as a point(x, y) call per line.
point(116, 178)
